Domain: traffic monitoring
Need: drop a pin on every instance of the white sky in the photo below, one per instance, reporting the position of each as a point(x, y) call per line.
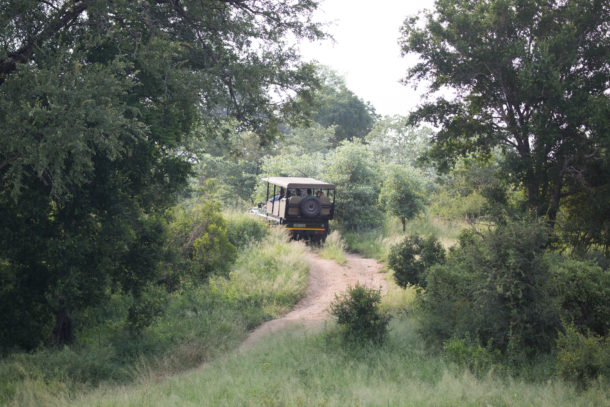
point(366, 51)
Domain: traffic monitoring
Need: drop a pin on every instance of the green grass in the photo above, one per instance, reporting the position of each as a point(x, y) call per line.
point(296, 370)
point(199, 324)
point(334, 248)
point(369, 244)
point(203, 326)
point(377, 243)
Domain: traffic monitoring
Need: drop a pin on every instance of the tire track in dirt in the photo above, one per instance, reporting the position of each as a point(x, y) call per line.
point(326, 279)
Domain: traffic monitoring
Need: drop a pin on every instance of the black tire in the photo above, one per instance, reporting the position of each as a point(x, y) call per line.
point(310, 206)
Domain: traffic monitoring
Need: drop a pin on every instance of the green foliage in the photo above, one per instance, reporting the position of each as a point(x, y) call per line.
point(199, 233)
point(586, 221)
point(310, 140)
point(475, 189)
point(448, 206)
point(411, 259)
point(467, 353)
point(582, 357)
point(582, 289)
point(244, 229)
point(148, 305)
point(231, 158)
point(400, 195)
point(98, 103)
point(358, 314)
point(270, 275)
point(494, 288)
point(336, 105)
point(398, 143)
point(354, 170)
point(235, 179)
point(532, 80)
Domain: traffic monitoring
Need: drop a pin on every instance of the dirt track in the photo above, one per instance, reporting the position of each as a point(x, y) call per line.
point(326, 279)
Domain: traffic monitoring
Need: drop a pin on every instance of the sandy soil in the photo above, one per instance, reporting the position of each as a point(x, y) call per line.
point(326, 279)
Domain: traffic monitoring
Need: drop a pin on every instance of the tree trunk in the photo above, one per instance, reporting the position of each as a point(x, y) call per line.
point(404, 224)
point(555, 200)
point(62, 333)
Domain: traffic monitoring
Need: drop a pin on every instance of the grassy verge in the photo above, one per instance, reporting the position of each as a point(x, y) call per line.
point(377, 243)
point(199, 324)
point(334, 248)
point(293, 370)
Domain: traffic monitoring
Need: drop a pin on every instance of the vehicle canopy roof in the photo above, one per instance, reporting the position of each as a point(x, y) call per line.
point(298, 182)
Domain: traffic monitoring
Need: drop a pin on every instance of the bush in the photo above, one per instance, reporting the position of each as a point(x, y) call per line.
point(582, 289)
point(470, 354)
point(199, 235)
point(146, 307)
point(412, 257)
point(582, 357)
point(243, 229)
point(358, 313)
point(494, 288)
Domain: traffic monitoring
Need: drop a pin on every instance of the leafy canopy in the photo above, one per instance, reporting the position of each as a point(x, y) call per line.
point(530, 77)
point(98, 102)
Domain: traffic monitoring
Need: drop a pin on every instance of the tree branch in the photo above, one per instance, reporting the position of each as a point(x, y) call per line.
point(10, 160)
point(64, 18)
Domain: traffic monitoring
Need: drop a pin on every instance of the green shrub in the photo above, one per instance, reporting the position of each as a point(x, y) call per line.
point(243, 229)
point(358, 314)
point(582, 357)
point(470, 354)
point(199, 235)
point(412, 257)
point(494, 288)
point(146, 307)
point(582, 290)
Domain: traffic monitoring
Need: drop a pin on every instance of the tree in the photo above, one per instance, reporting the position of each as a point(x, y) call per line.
point(399, 143)
point(531, 77)
point(400, 195)
point(356, 173)
point(97, 102)
point(309, 140)
point(336, 105)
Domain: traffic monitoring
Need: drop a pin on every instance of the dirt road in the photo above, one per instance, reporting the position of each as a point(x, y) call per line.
point(326, 279)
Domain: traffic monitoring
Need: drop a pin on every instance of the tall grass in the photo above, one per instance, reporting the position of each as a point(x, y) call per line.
point(293, 370)
point(199, 324)
point(376, 243)
point(334, 248)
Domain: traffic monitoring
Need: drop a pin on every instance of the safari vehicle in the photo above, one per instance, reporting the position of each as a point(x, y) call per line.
point(303, 205)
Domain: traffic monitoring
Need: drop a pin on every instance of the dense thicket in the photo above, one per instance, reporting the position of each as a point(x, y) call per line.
point(97, 103)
